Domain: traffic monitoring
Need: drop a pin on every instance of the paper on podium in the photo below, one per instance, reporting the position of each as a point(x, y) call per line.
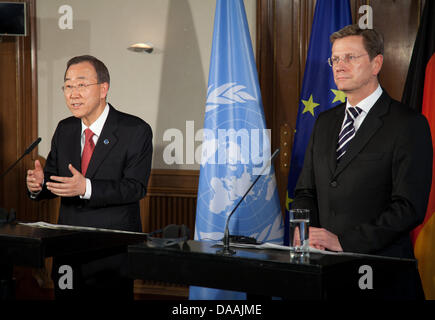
point(46, 225)
point(269, 245)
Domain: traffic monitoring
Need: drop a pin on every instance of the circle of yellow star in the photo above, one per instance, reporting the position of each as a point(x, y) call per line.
point(288, 201)
point(309, 105)
point(339, 96)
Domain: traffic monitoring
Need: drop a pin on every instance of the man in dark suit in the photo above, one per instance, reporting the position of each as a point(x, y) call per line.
point(99, 164)
point(368, 166)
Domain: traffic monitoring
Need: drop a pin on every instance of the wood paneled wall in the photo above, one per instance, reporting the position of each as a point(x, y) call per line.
point(18, 113)
point(283, 32)
point(171, 199)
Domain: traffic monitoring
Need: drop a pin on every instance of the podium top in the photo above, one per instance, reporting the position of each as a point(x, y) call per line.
point(272, 272)
point(316, 261)
point(28, 245)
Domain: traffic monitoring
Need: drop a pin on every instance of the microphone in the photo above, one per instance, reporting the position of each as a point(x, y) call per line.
point(32, 146)
point(226, 239)
point(28, 150)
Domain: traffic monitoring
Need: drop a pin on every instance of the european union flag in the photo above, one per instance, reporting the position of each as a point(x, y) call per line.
point(319, 91)
point(236, 145)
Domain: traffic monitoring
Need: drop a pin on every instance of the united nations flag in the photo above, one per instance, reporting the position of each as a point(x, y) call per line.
point(236, 144)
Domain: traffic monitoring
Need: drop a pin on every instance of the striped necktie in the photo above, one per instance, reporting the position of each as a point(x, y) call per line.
point(348, 131)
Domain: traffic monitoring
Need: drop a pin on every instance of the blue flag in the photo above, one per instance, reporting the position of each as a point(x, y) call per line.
point(236, 145)
point(319, 91)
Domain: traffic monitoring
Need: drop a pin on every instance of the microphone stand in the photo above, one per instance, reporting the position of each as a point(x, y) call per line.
point(226, 250)
point(28, 150)
point(6, 217)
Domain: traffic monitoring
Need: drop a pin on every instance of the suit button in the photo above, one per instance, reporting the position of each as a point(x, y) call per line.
point(334, 184)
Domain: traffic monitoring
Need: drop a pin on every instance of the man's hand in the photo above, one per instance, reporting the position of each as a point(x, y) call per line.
point(323, 239)
point(68, 186)
point(35, 178)
point(297, 240)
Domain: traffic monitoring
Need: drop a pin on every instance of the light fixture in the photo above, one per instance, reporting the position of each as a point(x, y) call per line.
point(142, 47)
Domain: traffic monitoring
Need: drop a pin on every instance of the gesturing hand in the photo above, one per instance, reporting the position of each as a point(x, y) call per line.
point(35, 178)
point(68, 186)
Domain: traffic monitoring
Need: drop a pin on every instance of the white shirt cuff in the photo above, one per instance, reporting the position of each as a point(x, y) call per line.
point(33, 195)
point(88, 191)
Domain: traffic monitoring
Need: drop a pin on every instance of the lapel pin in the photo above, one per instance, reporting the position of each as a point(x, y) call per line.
point(106, 141)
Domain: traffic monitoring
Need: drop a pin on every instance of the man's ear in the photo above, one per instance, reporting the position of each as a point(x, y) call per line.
point(104, 88)
point(377, 64)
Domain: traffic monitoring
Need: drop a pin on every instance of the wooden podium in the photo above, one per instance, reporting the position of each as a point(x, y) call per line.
point(272, 272)
point(23, 245)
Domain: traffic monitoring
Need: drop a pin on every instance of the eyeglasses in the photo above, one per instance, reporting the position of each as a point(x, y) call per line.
point(81, 87)
point(347, 58)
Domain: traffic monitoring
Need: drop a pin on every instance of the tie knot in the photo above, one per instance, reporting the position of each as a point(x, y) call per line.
point(354, 112)
point(88, 134)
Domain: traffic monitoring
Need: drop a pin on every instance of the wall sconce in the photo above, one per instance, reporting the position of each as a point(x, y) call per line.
point(142, 47)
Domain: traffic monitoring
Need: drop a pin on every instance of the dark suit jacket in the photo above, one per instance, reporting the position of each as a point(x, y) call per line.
point(119, 170)
point(378, 192)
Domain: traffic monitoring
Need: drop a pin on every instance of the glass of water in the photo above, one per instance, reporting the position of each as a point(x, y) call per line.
point(298, 235)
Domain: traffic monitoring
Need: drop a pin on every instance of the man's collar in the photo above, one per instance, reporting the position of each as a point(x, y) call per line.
point(97, 126)
point(367, 103)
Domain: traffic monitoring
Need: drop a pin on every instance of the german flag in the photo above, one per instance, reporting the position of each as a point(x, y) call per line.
point(419, 93)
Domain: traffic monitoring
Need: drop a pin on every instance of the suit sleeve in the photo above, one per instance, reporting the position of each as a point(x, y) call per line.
point(133, 184)
point(412, 178)
point(305, 190)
